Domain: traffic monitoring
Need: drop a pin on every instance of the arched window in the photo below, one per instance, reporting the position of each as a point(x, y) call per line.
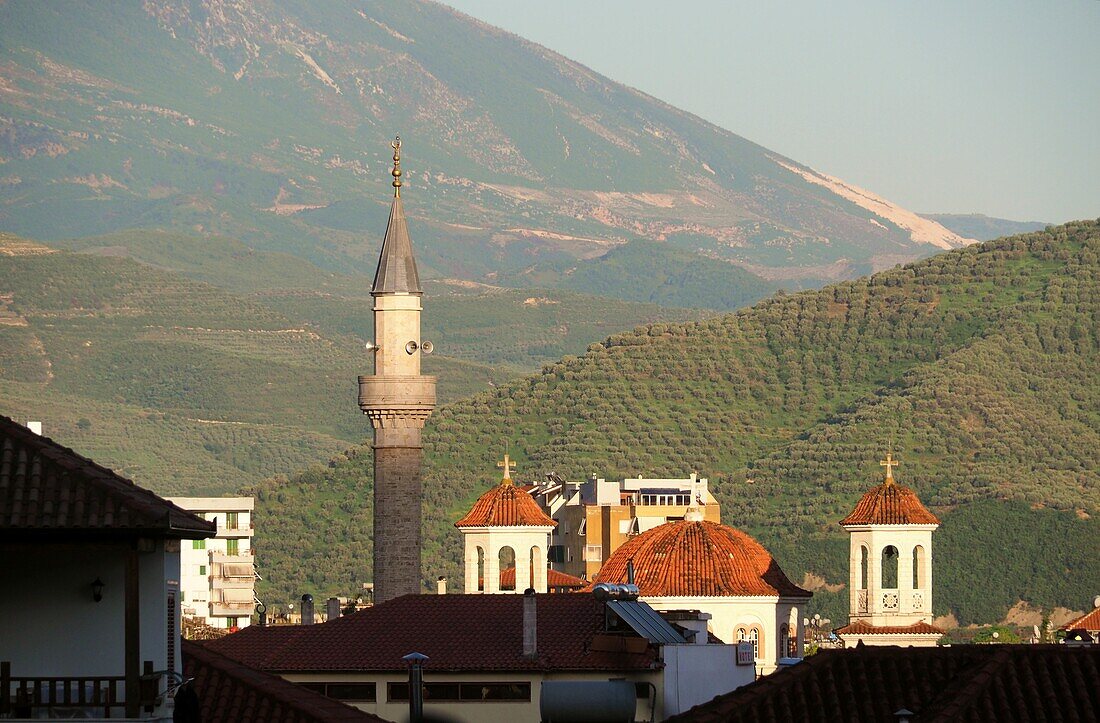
point(752, 634)
point(507, 558)
point(784, 641)
point(537, 568)
point(863, 567)
point(918, 568)
point(480, 569)
point(889, 567)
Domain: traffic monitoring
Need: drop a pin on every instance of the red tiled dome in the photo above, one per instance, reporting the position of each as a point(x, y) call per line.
point(890, 504)
point(506, 506)
point(691, 558)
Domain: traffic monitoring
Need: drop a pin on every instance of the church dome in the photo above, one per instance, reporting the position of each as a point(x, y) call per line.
point(695, 558)
point(890, 504)
point(506, 506)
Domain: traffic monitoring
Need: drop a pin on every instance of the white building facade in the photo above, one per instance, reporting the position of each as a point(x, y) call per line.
point(218, 576)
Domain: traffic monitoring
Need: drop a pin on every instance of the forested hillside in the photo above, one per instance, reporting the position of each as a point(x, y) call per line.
point(978, 367)
point(187, 387)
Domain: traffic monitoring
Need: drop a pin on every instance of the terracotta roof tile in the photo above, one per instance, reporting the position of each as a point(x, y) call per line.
point(232, 692)
point(457, 632)
point(1088, 621)
point(698, 558)
point(45, 487)
point(890, 504)
point(968, 683)
point(554, 578)
point(861, 628)
point(506, 505)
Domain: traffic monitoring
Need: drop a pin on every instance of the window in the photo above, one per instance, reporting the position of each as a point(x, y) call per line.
point(753, 635)
point(480, 570)
point(462, 692)
point(863, 567)
point(231, 521)
point(593, 553)
point(918, 568)
point(232, 547)
point(198, 544)
point(202, 570)
point(889, 567)
point(506, 558)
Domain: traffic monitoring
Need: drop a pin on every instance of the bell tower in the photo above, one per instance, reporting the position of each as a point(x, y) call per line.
point(398, 399)
point(890, 579)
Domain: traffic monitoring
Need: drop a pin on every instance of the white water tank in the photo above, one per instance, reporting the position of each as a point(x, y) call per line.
point(587, 701)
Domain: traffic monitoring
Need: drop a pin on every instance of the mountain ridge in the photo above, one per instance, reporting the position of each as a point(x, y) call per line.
point(275, 127)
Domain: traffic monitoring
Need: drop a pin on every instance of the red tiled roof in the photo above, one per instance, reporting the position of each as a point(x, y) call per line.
point(966, 683)
point(506, 505)
point(45, 487)
point(890, 504)
point(231, 692)
point(1088, 621)
point(698, 558)
point(456, 632)
point(861, 628)
point(553, 579)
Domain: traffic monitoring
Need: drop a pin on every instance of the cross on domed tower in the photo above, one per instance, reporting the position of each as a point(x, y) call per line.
point(890, 579)
point(398, 400)
point(506, 536)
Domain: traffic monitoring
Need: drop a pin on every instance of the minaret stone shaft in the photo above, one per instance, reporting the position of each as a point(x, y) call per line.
point(398, 399)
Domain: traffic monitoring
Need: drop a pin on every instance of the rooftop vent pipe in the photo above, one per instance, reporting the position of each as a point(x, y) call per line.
point(307, 609)
point(530, 625)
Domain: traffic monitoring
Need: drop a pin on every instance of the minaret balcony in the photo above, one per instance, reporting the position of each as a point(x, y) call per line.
point(397, 400)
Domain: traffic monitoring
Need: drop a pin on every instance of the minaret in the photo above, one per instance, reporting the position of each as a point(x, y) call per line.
point(398, 399)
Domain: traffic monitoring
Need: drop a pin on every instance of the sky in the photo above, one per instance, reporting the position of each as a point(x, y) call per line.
point(942, 106)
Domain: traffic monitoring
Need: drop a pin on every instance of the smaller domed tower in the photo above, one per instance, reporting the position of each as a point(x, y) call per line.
point(506, 536)
point(890, 577)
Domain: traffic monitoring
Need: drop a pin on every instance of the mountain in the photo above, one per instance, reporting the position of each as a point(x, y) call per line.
point(983, 228)
point(190, 388)
point(978, 367)
point(270, 122)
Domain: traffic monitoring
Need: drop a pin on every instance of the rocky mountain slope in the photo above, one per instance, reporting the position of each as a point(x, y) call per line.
point(978, 367)
point(269, 122)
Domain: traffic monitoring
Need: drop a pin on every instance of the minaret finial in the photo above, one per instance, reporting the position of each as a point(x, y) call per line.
point(396, 172)
point(889, 463)
point(508, 466)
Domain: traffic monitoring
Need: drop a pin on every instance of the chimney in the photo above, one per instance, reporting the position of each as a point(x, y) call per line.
point(441, 585)
point(630, 572)
point(530, 620)
point(35, 427)
point(332, 608)
point(307, 609)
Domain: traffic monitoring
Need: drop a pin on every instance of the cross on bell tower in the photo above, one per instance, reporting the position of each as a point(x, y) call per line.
point(508, 465)
point(889, 463)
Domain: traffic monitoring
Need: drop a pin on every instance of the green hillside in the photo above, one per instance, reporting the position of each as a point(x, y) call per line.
point(191, 388)
point(270, 122)
point(978, 367)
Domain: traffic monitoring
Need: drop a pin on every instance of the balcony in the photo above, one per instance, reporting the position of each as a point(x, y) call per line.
point(238, 530)
point(100, 696)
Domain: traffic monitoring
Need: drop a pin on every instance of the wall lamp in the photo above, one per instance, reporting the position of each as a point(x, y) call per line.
point(97, 589)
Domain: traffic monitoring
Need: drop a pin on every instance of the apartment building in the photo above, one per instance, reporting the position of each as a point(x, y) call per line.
point(218, 575)
point(596, 516)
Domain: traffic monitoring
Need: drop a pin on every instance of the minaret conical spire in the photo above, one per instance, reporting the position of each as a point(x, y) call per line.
point(396, 272)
